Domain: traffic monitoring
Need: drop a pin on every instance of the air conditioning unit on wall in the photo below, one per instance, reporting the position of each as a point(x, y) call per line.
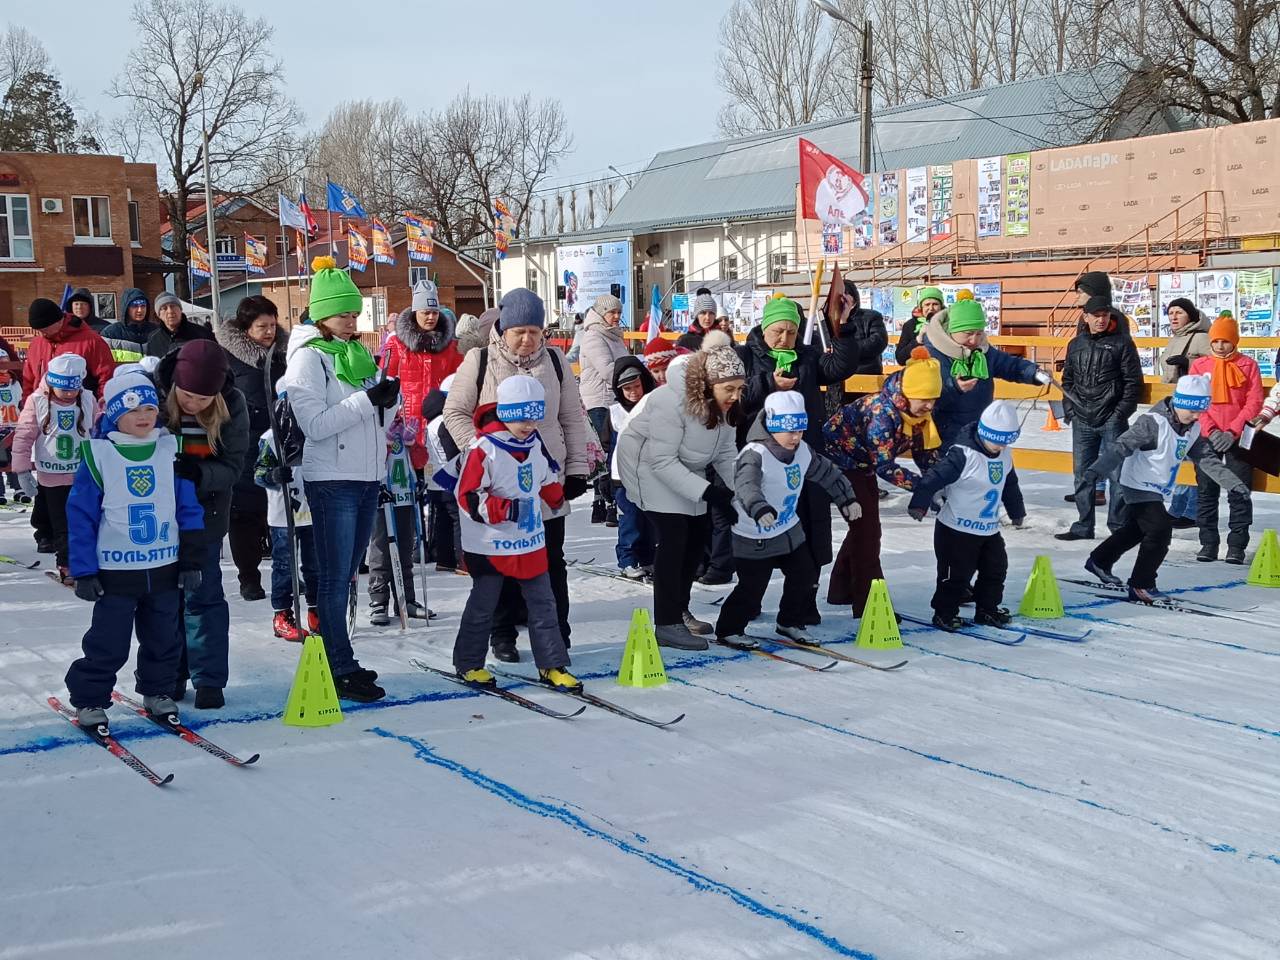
point(50, 205)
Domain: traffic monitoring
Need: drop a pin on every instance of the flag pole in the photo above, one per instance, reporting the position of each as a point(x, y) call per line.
point(288, 294)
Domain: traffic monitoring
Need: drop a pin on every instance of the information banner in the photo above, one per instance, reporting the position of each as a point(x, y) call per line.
point(588, 270)
point(917, 205)
point(1017, 189)
point(941, 182)
point(887, 209)
point(990, 197)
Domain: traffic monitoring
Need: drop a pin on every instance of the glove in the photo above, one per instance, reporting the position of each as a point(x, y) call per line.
point(88, 588)
point(918, 513)
point(280, 476)
point(766, 516)
point(717, 496)
point(1181, 363)
point(1043, 378)
point(851, 511)
point(1017, 524)
point(1222, 441)
point(188, 580)
point(574, 487)
point(186, 467)
point(384, 393)
point(27, 483)
point(517, 509)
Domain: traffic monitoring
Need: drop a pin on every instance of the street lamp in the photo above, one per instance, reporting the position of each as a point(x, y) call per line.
point(625, 178)
point(197, 83)
point(864, 77)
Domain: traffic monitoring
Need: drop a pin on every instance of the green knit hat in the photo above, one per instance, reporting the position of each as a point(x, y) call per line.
point(964, 316)
point(778, 310)
point(929, 293)
point(332, 291)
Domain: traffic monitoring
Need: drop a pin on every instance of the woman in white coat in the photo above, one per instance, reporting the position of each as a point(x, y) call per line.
point(678, 432)
point(342, 409)
point(602, 346)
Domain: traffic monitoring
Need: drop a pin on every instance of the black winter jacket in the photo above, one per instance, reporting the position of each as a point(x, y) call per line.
point(162, 341)
point(813, 370)
point(1104, 373)
point(246, 359)
point(908, 340)
point(866, 328)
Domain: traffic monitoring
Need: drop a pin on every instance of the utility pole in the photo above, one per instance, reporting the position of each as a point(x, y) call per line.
point(864, 83)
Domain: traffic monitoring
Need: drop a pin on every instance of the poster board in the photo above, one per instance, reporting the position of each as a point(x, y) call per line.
point(587, 270)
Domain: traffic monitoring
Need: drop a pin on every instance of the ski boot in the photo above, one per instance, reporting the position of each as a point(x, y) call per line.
point(597, 511)
point(740, 641)
point(93, 720)
point(313, 620)
point(357, 686)
point(479, 677)
point(796, 634)
point(417, 611)
point(999, 617)
point(209, 698)
point(611, 515)
point(161, 707)
point(1102, 573)
point(506, 652)
point(634, 573)
point(378, 614)
point(695, 626)
point(1147, 595)
point(560, 679)
point(286, 628)
point(950, 625)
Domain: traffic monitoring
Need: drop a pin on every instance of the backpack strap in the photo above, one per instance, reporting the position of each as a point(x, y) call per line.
point(483, 367)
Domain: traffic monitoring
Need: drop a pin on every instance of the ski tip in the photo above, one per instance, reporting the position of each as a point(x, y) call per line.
point(253, 759)
point(578, 712)
point(829, 666)
point(672, 723)
point(167, 780)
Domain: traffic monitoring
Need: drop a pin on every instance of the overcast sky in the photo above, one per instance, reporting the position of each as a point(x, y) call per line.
point(634, 78)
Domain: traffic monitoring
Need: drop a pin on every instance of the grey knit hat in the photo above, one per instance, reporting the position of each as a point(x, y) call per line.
point(165, 299)
point(705, 303)
point(606, 302)
point(722, 361)
point(426, 296)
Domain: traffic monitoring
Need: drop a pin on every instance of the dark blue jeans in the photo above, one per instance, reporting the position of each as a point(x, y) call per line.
point(342, 514)
point(106, 647)
point(206, 622)
point(282, 576)
point(636, 536)
point(1087, 443)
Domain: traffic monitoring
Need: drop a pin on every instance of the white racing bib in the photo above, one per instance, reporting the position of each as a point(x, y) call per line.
point(399, 481)
point(58, 450)
point(139, 525)
point(1157, 470)
point(781, 488)
point(973, 501)
point(509, 478)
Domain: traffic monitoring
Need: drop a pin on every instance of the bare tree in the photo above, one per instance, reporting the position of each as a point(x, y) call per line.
point(434, 181)
point(199, 61)
point(21, 53)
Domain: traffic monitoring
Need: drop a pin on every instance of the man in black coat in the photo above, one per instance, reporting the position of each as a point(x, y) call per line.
point(174, 329)
point(866, 329)
point(1102, 381)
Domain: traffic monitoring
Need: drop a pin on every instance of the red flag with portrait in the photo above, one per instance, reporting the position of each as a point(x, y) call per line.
point(830, 189)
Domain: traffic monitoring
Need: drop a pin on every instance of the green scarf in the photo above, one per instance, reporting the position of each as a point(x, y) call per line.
point(783, 359)
point(975, 367)
point(351, 361)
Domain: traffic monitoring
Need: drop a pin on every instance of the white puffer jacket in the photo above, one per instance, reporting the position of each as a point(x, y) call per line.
point(663, 455)
point(344, 438)
point(601, 347)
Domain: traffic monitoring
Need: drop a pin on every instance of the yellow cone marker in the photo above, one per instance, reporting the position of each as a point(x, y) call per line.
point(313, 699)
point(1042, 600)
point(641, 660)
point(878, 629)
point(1265, 569)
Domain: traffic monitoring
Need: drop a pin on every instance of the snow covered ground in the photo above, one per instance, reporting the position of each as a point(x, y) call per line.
point(1117, 799)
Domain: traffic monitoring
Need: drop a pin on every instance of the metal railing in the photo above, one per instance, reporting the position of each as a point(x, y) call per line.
point(946, 249)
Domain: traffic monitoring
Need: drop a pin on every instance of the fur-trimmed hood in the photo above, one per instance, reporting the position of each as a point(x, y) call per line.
point(935, 331)
point(237, 343)
point(421, 341)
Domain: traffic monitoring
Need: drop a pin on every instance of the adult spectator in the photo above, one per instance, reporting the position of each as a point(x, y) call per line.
point(957, 339)
point(1102, 382)
point(865, 440)
point(865, 328)
point(1093, 283)
point(58, 333)
point(928, 302)
point(205, 411)
point(1188, 341)
point(575, 344)
point(601, 347)
point(174, 328)
point(517, 346)
point(84, 307)
point(128, 338)
point(247, 338)
point(423, 352)
point(705, 309)
point(681, 430)
point(343, 410)
point(1236, 397)
point(775, 361)
point(473, 331)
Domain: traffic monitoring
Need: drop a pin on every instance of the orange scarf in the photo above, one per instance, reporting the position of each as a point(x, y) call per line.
point(926, 426)
point(1226, 377)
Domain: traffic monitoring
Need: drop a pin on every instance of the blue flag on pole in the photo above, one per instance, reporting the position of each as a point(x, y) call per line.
point(342, 202)
point(655, 315)
point(67, 291)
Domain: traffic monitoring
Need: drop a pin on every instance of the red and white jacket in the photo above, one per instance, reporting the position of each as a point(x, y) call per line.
point(499, 486)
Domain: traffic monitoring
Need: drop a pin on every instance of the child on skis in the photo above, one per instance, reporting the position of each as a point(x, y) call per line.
point(131, 520)
point(637, 538)
point(398, 489)
point(504, 474)
point(1153, 449)
point(10, 409)
point(445, 533)
point(768, 477)
point(974, 476)
point(55, 420)
point(285, 491)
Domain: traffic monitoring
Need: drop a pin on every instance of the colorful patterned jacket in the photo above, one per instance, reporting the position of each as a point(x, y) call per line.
point(869, 435)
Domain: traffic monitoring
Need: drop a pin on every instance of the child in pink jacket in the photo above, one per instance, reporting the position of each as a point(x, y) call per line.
point(56, 419)
point(1236, 394)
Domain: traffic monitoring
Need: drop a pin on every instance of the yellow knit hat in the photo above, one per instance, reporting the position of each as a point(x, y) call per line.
point(922, 378)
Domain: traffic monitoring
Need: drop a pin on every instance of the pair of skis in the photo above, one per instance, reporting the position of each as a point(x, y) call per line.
point(506, 693)
point(817, 649)
point(103, 738)
point(1199, 608)
point(1009, 636)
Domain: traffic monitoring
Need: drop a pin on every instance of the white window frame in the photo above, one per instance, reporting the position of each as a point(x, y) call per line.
point(6, 203)
point(282, 246)
point(99, 299)
point(531, 278)
point(135, 220)
point(777, 267)
point(729, 267)
point(230, 240)
point(418, 273)
point(91, 241)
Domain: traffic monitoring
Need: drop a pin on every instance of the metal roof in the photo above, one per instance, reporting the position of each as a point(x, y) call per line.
point(753, 176)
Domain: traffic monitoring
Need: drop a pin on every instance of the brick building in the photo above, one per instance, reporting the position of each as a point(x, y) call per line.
point(234, 218)
point(79, 219)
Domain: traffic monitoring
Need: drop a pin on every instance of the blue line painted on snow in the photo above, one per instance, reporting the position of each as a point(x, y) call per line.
point(961, 765)
point(1078, 613)
point(564, 815)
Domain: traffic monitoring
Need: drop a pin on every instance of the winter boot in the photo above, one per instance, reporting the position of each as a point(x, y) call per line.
point(999, 617)
point(796, 635)
point(479, 677)
point(506, 652)
point(1102, 573)
point(417, 611)
point(740, 641)
point(1070, 535)
point(611, 515)
point(378, 614)
point(633, 573)
point(252, 591)
point(44, 545)
point(1235, 556)
point(162, 707)
point(209, 698)
point(695, 626)
point(950, 626)
point(1147, 595)
point(313, 620)
point(1207, 554)
point(286, 628)
point(560, 679)
point(94, 720)
point(357, 686)
point(597, 511)
point(677, 636)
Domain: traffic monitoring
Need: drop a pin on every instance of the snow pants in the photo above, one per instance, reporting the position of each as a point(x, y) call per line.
point(106, 647)
point(472, 643)
point(799, 590)
point(1148, 527)
point(1239, 505)
point(959, 556)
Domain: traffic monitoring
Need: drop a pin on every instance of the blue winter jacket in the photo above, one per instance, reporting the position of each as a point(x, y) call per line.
point(955, 408)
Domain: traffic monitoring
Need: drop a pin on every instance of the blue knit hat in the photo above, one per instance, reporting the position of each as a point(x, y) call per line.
point(521, 308)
